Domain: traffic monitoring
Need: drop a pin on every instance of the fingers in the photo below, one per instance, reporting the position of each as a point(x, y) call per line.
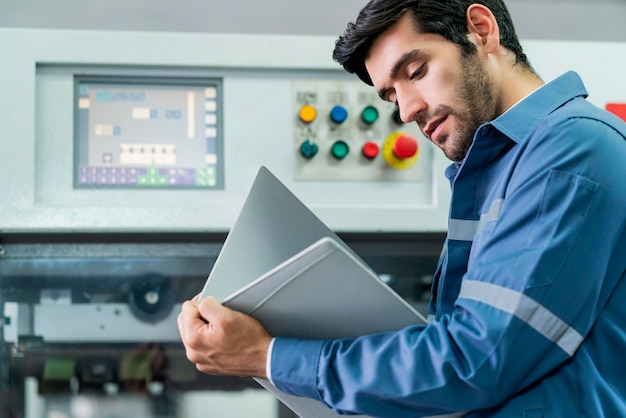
point(193, 320)
point(190, 322)
point(212, 310)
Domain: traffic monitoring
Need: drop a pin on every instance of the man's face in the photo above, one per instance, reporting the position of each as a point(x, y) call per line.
point(446, 94)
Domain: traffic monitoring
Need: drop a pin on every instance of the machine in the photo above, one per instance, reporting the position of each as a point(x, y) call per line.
point(122, 168)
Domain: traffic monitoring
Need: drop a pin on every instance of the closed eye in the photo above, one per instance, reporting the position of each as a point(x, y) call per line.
point(384, 94)
point(387, 96)
point(417, 73)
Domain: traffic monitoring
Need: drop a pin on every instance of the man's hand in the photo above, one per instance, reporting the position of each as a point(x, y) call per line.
point(221, 341)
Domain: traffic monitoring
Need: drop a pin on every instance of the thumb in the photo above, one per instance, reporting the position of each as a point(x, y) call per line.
point(212, 310)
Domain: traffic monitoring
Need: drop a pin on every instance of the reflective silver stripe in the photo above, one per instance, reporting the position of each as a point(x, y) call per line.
point(492, 215)
point(526, 309)
point(464, 230)
point(461, 230)
point(431, 318)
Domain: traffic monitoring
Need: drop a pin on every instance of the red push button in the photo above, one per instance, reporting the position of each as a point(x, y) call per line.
point(405, 147)
point(370, 150)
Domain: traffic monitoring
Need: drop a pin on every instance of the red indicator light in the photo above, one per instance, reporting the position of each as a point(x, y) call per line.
point(370, 150)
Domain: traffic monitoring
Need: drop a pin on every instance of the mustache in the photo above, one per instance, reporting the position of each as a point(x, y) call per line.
point(423, 118)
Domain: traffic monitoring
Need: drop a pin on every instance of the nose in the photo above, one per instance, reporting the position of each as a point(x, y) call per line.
point(410, 105)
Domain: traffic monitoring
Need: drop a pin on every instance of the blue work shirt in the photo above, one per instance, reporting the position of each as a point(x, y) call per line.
point(529, 303)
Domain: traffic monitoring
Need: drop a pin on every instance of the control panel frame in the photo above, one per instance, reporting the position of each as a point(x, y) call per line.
point(36, 158)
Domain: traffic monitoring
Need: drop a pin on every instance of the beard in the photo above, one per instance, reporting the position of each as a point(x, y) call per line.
point(476, 95)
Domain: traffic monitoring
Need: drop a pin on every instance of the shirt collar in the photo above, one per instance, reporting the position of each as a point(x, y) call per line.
point(519, 120)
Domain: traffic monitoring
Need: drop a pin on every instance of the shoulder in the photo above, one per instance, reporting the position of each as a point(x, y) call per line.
point(578, 117)
point(578, 138)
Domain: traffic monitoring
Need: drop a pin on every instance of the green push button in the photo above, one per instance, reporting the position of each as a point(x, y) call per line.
point(369, 115)
point(308, 149)
point(340, 149)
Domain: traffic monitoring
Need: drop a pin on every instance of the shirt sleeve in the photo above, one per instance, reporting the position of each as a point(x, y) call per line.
point(526, 302)
point(294, 366)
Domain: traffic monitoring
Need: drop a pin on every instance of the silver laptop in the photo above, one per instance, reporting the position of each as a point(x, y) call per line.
point(273, 225)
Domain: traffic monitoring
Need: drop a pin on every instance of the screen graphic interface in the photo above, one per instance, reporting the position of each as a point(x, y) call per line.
point(159, 133)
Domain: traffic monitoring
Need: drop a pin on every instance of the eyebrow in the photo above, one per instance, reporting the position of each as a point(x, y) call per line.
point(407, 57)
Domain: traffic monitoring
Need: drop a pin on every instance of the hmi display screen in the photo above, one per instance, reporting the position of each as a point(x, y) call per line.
point(133, 132)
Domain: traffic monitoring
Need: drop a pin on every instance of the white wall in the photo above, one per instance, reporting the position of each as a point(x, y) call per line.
point(593, 20)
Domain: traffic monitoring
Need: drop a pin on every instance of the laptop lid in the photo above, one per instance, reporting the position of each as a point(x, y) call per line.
point(273, 225)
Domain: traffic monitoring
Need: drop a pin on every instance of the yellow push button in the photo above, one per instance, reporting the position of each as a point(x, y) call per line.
point(307, 113)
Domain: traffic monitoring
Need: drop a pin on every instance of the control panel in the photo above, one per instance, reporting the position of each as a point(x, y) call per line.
point(343, 131)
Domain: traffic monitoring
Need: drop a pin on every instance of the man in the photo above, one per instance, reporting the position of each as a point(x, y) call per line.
point(528, 312)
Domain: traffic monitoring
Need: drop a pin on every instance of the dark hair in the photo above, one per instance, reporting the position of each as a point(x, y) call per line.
point(444, 17)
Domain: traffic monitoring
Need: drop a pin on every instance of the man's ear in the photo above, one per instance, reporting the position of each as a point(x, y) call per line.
point(482, 27)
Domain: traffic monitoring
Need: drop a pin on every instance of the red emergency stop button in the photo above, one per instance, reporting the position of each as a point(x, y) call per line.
point(370, 150)
point(405, 146)
point(400, 150)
